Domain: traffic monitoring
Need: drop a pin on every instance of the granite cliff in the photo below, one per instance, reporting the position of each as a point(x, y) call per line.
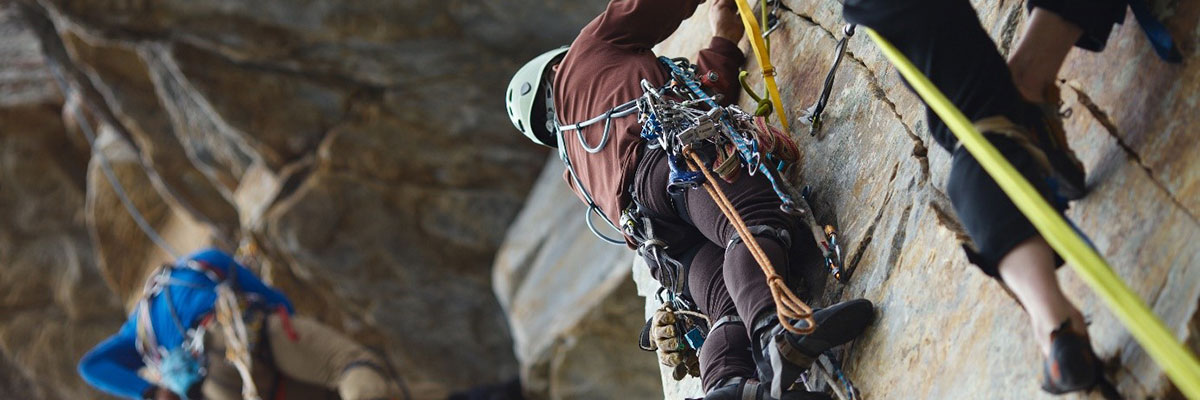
point(362, 147)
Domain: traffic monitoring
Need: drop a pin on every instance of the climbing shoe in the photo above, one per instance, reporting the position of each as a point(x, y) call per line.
point(1051, 137)
point(1071, 366)
point(750, 389)
point(782, 355)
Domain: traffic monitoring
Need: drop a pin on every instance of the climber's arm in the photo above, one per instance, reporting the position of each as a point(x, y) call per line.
point(113, 364)
point(639, 24)
point(1095, 18)
point(722, 55)
point(248, 283)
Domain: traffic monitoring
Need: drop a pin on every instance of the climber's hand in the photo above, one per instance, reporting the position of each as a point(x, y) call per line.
point(165, 394)
point(672, 351)
point(722, 15)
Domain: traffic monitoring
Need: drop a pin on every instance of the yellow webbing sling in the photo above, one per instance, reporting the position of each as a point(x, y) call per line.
point(764, 59)
point(1175, 359)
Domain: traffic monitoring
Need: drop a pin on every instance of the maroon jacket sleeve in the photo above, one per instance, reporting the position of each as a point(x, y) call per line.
point(639, 24)
point(724, 58)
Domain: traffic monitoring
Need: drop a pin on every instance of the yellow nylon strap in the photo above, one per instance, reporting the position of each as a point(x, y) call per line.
point(1175, 359)
point(764, 59)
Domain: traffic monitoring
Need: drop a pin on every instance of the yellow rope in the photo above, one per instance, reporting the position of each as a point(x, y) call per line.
point(1175, 359)
point(764, 59)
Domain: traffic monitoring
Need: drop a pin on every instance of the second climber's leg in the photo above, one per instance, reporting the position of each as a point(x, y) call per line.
point(324, 357)
point(946, 41)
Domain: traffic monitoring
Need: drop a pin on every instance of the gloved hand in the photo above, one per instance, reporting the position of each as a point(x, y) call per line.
point(672, 350)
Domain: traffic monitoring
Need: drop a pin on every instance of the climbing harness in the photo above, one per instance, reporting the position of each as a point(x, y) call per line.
point(1177, 361)
point(812, 115)
point(180, 367)
point(680, 127)
point(620, 111)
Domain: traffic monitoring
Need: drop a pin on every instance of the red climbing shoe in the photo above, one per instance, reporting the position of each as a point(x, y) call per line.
point(1071, 366)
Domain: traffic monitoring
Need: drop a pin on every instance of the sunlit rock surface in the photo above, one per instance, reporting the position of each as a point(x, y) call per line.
point(53, 302)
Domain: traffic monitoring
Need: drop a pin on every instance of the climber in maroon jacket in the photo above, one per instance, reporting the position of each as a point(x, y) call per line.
point(611, 168)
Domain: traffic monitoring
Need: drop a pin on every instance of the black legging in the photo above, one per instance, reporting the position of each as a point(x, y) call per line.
point(722, 280)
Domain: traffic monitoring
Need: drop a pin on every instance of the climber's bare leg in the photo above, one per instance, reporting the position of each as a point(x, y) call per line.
point(1040, 53)
point(1028, 270)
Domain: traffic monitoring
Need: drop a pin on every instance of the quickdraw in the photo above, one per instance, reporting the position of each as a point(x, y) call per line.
point(812, 115)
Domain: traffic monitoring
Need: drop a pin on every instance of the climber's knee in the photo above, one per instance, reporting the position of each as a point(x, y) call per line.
point(366, 380)
point(779, 235)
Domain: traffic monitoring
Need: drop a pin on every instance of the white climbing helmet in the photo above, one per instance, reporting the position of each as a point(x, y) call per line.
point(523, 95)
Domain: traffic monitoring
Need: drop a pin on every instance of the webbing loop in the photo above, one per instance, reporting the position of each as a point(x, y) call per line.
point(1175, 359)
point(762, 53)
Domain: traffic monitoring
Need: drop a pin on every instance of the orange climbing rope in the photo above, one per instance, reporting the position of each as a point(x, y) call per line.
point(787, 305)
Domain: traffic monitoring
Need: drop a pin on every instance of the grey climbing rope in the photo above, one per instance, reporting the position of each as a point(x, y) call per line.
point(106, 167)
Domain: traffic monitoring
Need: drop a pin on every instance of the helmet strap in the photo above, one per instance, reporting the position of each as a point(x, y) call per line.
point(551, 115)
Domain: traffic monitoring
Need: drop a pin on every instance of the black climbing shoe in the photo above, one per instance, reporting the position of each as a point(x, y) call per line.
point(1071, 366)
point(749, 389)
point(781, 355)
point(1051, 137)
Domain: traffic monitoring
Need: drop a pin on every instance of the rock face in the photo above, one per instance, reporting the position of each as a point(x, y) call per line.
point(573, 311)
point(52, 304)
point(944, 329)
point(360, 147)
